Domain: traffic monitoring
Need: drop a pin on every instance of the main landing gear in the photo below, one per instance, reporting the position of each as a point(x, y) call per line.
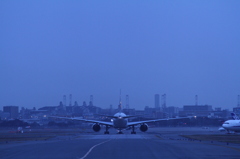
point(133, 130)
point(106, 132)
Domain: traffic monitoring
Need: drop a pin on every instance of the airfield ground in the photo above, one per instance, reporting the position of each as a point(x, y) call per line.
point(160, 142)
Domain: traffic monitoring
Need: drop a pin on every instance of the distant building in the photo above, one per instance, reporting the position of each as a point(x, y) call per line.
point(198, 110)
point(149, 112)
point(172, 111)
point(154, 113)
point(54, 110)
point(4, 115)
point(49, 108)
point(12, 110)
point(156, 101)
point(218, 109)
point(236, 110)
point(139, 113)
point(129, 111)
point(219, 113)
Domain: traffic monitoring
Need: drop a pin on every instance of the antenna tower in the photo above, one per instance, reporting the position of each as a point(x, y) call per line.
point(164, 101)
point(91, 98)
point(196, 100)
point(120, 102)
point(70, 99)
point(64, 100)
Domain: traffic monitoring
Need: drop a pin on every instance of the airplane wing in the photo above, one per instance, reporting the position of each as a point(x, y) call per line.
point(131, 116)
point(151, 121)
point(85, 120)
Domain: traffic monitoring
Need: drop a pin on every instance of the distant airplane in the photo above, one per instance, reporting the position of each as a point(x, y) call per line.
point(234, 116)
point(232, 125)
point(120, 122)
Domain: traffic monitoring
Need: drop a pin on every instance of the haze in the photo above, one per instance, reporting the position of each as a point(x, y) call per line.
point(179, 48)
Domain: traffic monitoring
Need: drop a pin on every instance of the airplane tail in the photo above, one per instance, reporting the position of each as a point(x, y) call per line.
point(120, 103)
point(234, 116)
point(120, 107)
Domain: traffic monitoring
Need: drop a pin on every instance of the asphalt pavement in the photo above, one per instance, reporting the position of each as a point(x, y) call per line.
point(156, 143)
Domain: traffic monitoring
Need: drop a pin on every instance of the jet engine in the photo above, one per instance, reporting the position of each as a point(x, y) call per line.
point(96, 127)
point(143, 127)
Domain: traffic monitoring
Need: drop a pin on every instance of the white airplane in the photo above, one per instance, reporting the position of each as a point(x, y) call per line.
point(120, 122)
point(232, 125)
point(234, 116)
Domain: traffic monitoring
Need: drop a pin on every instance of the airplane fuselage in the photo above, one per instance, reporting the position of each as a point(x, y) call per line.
point(119, 121)
point(232, 125)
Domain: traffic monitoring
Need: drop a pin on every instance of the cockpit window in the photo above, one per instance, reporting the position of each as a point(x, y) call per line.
point(226, 123)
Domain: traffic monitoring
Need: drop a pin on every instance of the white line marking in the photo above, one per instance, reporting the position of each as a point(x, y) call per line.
point(89, 151)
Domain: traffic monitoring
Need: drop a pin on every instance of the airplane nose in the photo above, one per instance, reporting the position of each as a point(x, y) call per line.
point(224, 125)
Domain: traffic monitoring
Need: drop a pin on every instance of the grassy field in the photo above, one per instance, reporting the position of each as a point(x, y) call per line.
point(230, 138)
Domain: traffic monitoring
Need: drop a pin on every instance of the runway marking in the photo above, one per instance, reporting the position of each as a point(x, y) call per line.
point(159, 137)
point(89, 151)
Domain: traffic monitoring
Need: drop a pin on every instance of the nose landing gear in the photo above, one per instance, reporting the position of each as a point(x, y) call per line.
point(120, 132)
point(133, 130)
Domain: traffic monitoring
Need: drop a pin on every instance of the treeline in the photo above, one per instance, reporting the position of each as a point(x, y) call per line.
point(199, 121)
point(61, 124)
point(17, 123)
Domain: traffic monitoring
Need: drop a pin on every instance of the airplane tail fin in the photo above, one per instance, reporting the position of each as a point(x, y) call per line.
point(120, 103)
point(234, 116)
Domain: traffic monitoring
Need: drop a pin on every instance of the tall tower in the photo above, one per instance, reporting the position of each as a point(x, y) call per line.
point(91, 100)
point(120, 101)
point(127, 101)
point(64, 100)
point(196, 100)
point(156, 101)
point(70, 99)
point(164, 101)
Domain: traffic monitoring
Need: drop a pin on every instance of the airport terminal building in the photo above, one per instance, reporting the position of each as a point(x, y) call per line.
point(196, 110)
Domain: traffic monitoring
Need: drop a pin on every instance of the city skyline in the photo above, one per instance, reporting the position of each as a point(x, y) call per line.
point(123, 102)
point(179, 48)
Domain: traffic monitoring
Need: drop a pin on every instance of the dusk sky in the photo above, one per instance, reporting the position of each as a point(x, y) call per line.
point(179, 48)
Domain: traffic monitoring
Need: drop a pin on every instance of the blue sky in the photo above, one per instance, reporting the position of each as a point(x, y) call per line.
point(182, 48)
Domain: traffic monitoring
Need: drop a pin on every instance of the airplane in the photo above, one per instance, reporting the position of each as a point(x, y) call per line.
point(234, 116)
point(232, 125)
point(120, 122)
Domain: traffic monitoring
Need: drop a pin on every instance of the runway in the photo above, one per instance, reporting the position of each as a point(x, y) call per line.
point(154, 144)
